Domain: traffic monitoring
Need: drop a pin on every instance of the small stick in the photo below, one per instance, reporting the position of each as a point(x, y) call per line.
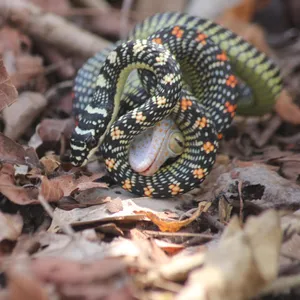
point(177, 234)
point(50, 28)
point(240, 185)
point(212, 221)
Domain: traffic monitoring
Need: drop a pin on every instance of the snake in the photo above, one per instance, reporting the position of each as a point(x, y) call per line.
point(191, 71)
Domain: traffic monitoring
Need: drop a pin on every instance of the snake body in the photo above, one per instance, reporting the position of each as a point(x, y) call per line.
point(188, 68)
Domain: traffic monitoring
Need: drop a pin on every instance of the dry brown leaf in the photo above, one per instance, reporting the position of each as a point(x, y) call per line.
point(11, 226)
point(56, 6)
point(21, 195)
point(167, 225)
point(94, 214)
point(12, 40)
point(291, 170)
point(291, 228)
point(100, 279)
point(170, 248)
point(71, 183)
point(78, 248)
point(54, 189)
point(91, 196)
point(19, 116)
point(115, 205)
point(22, 284)
point(50, 189)
point(51, 130)
point(13, 152)
point(224, 210)
point(287, 109)
point(28, 70)
point(260, 185)
point(8, 93)
point(242, 264)
point(100, 213)
point(16, 194)
point(50, 162)
point(265, 237)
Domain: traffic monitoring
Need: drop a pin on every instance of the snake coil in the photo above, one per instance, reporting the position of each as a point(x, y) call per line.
point(188, 70)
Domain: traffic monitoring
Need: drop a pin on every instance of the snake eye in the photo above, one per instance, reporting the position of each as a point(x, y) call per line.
point(176, 143)
point(91, 142)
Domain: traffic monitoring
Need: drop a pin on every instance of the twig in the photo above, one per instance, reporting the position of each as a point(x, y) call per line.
point(273, 125)
point(57, 62)
point(51, 28)
point(65, 227)
point(293, 139)
point(291, 256)
point(282, 284)
point(178, 234)
point(59, 86)
point(240, 184)
point(212, 221)
point(127, 4)
point(94, 4)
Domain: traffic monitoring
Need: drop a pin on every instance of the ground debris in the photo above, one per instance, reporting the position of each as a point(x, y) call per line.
point(71, 233)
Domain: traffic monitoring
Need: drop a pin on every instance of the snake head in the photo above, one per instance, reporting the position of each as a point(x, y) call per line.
point(86, 139)
point(83, 143)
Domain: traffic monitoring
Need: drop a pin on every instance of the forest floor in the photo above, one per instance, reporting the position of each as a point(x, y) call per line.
point(71, 233)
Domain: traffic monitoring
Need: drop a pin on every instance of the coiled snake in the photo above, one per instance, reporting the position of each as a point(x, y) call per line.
point(189, 71)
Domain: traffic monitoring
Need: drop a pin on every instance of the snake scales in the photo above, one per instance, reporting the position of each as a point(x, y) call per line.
point(189, 70)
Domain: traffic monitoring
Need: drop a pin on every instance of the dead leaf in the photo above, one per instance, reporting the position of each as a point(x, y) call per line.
point(56, 188)
point(8, 93)
point(50, 189)
point(291, 229)
point(287, 109)
point(111, 229)
point(16, 194)
point(19, 116)
point(15, 153)
point(50, 162)
point(92, 196)
point(115, 205)
point(11, 226)
point(22, 284)
point(29, 71)
point(173, 226)
point(72, 183)
point(101, 213)
point(170, 248)
point(291, 170)
point(236, 268)
point(78, 248)
point(55, 6)
point(99, 279)
point(224, 210)
point(52, 129)
point(14, 41)
point(261, 186)
point(151, 252)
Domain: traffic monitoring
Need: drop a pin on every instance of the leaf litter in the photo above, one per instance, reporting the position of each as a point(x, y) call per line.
point(70, 233)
